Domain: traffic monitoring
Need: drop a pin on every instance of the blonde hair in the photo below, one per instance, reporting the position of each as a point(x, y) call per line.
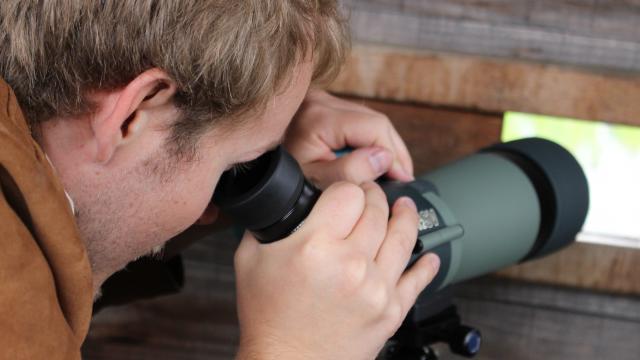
point(226, 57)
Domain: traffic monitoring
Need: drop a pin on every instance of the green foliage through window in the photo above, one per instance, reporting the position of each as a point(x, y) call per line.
point(610, 156)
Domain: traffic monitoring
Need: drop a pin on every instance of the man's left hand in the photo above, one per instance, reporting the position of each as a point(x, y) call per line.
point(325, 124)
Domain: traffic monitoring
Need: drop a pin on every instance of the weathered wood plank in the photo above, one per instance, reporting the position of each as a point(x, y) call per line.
point(556, 298)
point(489, 85)
point(438, 136)
point(513, 331)
point(610, 19)
point(600, 34)
point(591, 266)
point(527, 321)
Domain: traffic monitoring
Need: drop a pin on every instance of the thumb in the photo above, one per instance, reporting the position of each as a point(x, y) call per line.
point(359, 166)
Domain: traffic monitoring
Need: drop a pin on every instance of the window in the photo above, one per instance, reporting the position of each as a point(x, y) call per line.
point(610, 157)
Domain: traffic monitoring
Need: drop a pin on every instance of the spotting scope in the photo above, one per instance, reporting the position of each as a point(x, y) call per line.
point(508, 203)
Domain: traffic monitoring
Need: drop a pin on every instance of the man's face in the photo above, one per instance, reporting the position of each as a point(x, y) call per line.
point(143, 199)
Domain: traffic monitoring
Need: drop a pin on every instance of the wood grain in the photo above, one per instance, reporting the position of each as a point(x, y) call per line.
point(489, 85)
point(526, 321)
point(590, 266)
point(586, 33)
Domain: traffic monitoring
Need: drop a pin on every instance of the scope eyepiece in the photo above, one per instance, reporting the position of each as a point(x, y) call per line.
point(270, 199)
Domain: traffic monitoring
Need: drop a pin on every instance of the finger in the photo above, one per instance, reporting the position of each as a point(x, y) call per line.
point(371, 229)
point(363, 130)
point(306, 149)
point(402, 168)
point(336, 212)
point(358, 126)
point(402, 233)
point(336, 129)
point(413, 282)
point(403, 156)
point(360, 129)
point(359, 166)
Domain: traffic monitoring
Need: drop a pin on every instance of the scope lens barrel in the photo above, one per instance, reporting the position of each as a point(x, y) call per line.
point(516, 201)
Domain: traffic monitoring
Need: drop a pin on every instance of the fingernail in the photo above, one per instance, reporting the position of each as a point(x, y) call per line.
point(410, 176)
point(399, 168)
point(434, 261)
point(380, 160)
point(405, 201)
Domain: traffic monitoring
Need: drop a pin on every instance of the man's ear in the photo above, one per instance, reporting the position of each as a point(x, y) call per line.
point(125, 113)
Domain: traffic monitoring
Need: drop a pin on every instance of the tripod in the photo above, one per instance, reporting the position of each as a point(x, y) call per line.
point(433, 319)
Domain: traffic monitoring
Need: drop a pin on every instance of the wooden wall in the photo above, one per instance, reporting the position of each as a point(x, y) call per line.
point(489, 85)
point(600, 34)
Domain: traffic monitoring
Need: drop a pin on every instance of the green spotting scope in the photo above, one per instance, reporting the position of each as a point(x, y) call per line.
point(506, 204)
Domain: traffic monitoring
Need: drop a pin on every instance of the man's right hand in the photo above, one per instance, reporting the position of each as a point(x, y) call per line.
point(336, 288)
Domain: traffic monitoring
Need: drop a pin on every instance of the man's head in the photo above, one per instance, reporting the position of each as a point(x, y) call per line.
point(141, 105)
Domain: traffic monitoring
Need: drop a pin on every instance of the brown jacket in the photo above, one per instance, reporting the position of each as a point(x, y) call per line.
point(45, 278)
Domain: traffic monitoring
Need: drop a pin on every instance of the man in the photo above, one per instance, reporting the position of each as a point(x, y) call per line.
point(133, 109)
